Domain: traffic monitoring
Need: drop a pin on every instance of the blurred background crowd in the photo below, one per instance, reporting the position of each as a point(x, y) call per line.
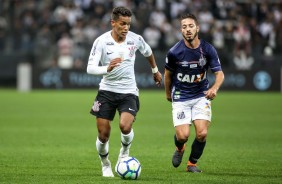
point(246, 33)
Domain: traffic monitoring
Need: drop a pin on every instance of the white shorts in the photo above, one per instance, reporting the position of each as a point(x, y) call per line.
point(186, 112)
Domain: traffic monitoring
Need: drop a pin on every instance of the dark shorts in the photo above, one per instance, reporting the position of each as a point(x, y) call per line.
point(106, 104)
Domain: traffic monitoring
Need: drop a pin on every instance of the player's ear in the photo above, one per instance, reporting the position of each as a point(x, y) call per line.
point(112, 22)
point(198, 28)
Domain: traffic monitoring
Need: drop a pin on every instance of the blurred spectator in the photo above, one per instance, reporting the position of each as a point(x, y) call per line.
point(152, 35)
point(157, 18)
point(206, 21)
point(177, 7)
point(16, 35)
point(33, 27)
point(267, 31)
point(170, 35)
point(228, 35)
point(242, 38)
point(242, 50)
point(218, 36)
point(279, 37)
point(218, 40)
point(3, 32)
point(267, 59)
point(256, 37)
point(65, 48)
point(43, 51)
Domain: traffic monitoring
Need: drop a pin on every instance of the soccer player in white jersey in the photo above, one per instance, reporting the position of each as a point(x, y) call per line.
point(187, 87)
point(113, 56)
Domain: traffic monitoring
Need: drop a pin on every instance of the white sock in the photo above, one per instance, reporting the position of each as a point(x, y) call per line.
point(126, 139)
point(102, 148)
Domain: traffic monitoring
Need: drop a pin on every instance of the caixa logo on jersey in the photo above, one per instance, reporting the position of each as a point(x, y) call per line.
point(191, 78)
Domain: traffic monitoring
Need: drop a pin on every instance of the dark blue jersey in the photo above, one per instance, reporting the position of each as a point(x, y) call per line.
point(189, 68)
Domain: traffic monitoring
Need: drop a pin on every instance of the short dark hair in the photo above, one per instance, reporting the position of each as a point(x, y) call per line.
point(120, 11)
point(189, 16)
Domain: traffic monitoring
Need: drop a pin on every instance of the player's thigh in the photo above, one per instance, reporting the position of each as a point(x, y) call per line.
point(201, 128)
point(128, 103)
point(182, 132)
point(202, 110)
point(104, 129)
point(181, 113)
point(104, 105)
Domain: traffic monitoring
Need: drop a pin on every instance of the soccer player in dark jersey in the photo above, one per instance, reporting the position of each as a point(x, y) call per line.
point(187, 87)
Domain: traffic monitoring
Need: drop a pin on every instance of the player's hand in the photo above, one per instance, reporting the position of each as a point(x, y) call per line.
point(211, 93)
point(114, 63)
point(169, 99)
point(158, 78)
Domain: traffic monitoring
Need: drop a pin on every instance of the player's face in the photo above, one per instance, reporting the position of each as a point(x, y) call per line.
point(189, 29)
point(121, 27)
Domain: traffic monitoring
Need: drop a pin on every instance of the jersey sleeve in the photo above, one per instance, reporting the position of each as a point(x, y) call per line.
point(170, 62)
point(94, 59)
point(143, 47)
point(215, 64)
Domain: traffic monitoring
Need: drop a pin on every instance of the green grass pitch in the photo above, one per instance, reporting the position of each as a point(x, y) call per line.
point(49, 137)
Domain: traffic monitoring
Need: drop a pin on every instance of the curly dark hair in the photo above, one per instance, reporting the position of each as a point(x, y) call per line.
point(189, 16)
point(120, 11)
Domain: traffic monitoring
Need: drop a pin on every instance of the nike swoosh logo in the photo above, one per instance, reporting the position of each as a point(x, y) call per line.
point(131, 109)
point(108, 53)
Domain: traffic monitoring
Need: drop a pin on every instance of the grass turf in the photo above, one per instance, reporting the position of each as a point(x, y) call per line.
point(49, 137)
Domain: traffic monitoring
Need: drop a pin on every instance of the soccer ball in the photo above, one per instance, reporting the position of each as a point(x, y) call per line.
point(129, 168)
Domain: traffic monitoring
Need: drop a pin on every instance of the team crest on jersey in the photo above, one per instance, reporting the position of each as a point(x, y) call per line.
point(131, 50)
point(202, 60)
point(96, 106)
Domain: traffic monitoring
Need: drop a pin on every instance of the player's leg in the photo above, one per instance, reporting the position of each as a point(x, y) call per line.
point(181, 113)
point(198, 145)
point(104, 110)
point(102, 146)
point(180, 138)
point(127, 133)
point(128, 108)
point(201, 119)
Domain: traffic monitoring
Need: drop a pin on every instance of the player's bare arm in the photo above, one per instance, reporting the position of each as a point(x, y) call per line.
point(212, 92)
point(156, 74)
point(167, 84)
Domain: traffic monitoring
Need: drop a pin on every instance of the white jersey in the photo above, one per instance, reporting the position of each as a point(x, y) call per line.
point(122, 78)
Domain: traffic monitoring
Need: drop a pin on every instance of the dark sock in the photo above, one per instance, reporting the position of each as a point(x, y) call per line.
point(104, 156)
point(178, 144)
point(125, 144)
point(196, 151)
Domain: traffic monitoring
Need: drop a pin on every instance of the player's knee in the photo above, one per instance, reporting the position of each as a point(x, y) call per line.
point(182, 138)
point(201, 136)
point(125, 128)
point(104, 135)
point(103, 138)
